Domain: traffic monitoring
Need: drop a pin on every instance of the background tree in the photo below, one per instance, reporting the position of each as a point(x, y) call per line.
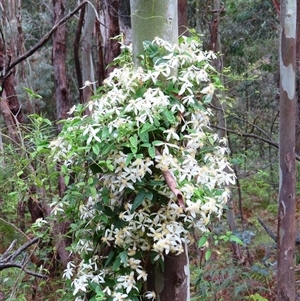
point(287, 184)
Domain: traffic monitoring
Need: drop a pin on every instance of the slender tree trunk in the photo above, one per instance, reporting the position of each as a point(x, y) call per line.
point(215, 45)
point(63, 105)
point(286, 200)
point(111, 31)
point(298, 78)
point(150, 19)
point(59, 52)
point(10, 106)
point(87, 66)
point(182, 17)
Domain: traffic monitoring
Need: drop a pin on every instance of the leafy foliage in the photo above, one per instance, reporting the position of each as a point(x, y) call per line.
point(145, 146)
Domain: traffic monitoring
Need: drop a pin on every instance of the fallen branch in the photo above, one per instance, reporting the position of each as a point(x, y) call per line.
point(8, 259)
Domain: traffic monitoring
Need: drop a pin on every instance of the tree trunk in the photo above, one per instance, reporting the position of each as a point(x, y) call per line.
point(298, 78)
point(286, 200)
point(87, 66)
point(150, 19)
point(182, 18)
point(216, 46)
point(111, 31)
point(63, 103)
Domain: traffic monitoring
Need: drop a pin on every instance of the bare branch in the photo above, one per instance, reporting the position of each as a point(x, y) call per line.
point(8, 261)
point(272, 235)
point(45, 39)
point(243, 134)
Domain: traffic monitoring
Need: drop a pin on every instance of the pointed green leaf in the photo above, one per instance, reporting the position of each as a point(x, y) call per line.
point(208, 254)
point(96, 149)
point(138, 199)
point(202, 241)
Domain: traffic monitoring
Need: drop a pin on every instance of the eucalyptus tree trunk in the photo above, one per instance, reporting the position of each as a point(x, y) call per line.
point(182, 17)
point(59, 55)
point(286, 200)
point(216, 46)
point(87, 65)
point(150, 19)
point(63, 104)
point(298, 78)
point(10, 47)
point(111, 31)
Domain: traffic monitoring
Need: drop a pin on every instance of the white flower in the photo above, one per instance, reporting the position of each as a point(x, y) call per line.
point(69, 271)
point(40, 222)
point(141, 274)
point(192, 207)
point(171, 134)
point(127, 282)
point(87, 83)
point(150, 295)
point(80, 284)
point(119, 296)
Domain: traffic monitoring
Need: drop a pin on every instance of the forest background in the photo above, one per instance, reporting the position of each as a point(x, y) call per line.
point(43, 71)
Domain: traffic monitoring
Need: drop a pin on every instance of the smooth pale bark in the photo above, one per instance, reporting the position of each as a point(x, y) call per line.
point(286, 200)
point(87, 65)
point(150, 19)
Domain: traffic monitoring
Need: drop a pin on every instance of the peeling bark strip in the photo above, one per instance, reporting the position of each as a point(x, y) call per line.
point(172, 184)
point(286, 201)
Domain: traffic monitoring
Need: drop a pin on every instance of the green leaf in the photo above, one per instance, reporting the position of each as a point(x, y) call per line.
point(105, 195)
point(133, 142)
point(157, 143)
point(116, 264)
point(170, 116)
point(96, 149)
point(67, 180)
point(208, 254)
point(140, 197)
point(234, 238)
point(109, 257)
point(147, 127)
point(105, 133)
point(32, 94)
point(151, 151)
point(123, 257)
point(202, 241)
point(144, 137)
point(106, 148)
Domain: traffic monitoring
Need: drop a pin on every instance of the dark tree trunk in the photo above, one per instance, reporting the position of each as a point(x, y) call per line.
point(182, 17)
point(298, 77)
point(62, 106)
point(63, 103)
point(172, 284)
point(287, 200)
point(76, 46)
point(112, 30)
point(9, 105)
